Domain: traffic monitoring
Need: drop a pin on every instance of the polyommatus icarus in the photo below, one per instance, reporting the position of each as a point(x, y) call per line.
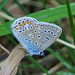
point(35, 36)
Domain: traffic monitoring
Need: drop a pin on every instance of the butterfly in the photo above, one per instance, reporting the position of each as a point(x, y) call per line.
point(35, 36)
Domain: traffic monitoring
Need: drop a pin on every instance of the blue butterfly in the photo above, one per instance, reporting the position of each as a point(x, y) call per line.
point(35, 36)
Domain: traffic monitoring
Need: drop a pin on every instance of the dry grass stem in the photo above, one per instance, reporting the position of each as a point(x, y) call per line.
point(53, 69)
point(15, 70)
point(11, 63)
point(4, 15)
point(66, 43)
point(4, 49)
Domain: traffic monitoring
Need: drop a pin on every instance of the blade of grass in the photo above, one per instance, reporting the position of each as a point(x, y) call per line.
point(61, 52)
point(7, 27)
point(71, 19)
point(68, 65)
point(38, 65)
point(71, 52)
point(6, 11)
point(21, 6)
point(43, 3)
point(2, 4)
point(12, 40)
point(65, 73)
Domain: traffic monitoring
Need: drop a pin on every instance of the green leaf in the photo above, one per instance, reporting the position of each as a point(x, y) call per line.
point(47, 15)
point(65, 73)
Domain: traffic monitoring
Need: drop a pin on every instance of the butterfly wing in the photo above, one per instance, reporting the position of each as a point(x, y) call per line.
point(50, 32)
point(27, 32)
point(33, 35)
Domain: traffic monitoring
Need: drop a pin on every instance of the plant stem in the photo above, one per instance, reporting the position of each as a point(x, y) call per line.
point(71, 19)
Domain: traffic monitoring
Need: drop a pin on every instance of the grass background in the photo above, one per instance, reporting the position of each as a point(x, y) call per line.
point(48, 15)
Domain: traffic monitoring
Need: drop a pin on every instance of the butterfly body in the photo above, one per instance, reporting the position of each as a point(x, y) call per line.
point(33, 35)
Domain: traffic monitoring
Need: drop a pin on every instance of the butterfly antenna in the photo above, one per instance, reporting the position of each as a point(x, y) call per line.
point(46, 61)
